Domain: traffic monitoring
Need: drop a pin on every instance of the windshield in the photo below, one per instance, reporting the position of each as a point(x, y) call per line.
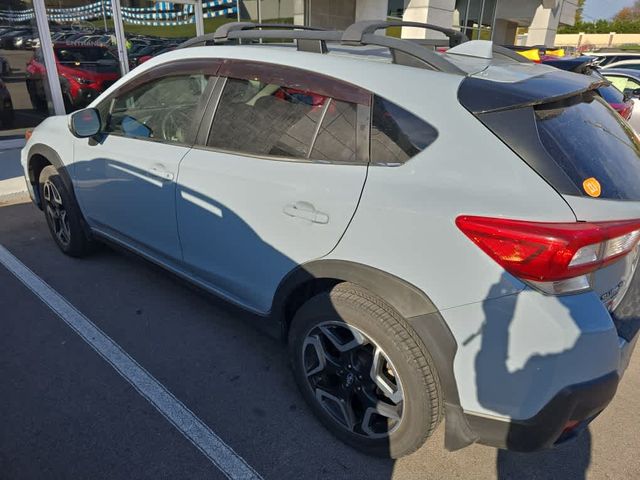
point(84, 54)
point(589, 141)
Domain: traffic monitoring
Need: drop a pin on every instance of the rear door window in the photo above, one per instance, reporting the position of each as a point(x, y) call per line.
point(269, 110)
point(266, 119)
point(588, 140)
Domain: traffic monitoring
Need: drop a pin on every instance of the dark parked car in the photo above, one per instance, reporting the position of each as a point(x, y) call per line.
point(6, 107)
point(5, 68)
point(587, 65)
point(8, 39)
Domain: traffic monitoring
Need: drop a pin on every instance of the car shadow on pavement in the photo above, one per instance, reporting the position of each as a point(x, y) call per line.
point(233, 245)
point(569, 461)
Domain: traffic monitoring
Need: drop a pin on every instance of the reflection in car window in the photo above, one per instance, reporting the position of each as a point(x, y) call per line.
point(397, 135)
point(619, 82)
point(161, 109)
point(266, 119)
point(336, 140)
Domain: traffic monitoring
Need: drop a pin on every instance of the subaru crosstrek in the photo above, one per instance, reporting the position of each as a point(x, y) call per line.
point(438, 236)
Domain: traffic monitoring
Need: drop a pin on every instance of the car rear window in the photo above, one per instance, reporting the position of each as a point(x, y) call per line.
point(588, 141)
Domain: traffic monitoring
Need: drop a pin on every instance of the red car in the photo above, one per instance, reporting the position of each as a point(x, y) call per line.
point(85, 71)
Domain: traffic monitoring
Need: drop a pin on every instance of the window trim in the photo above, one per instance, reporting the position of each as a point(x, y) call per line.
point(293, 77)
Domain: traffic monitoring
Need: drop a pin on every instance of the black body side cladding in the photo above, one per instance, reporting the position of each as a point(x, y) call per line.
point(581, 403)
point(54, 159)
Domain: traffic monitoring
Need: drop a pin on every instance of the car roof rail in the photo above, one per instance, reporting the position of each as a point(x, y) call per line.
point(356, 32)
point(309, 38)
point(312, 39)
point(222, 32)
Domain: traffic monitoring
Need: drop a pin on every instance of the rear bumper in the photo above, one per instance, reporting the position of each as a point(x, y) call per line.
point(578, 404)
point(524, 374)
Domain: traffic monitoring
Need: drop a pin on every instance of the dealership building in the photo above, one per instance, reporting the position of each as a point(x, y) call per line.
point(486, 19)
point(122, 20)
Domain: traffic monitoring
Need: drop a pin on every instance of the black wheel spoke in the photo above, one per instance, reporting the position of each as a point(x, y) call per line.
point(343, 343)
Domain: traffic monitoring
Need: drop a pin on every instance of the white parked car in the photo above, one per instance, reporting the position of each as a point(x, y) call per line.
point(436, 236)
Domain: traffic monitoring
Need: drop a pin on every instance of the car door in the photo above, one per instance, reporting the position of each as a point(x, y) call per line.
point(275, 180)
point(125, 180)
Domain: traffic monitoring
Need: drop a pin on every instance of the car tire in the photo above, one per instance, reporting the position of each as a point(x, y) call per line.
point(65, 221)
point(344, 390)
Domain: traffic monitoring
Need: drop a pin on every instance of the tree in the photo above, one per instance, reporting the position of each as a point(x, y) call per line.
point(579, 11)
point(628, 14)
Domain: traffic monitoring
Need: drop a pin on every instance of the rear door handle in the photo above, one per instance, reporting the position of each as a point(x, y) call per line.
point(157, 172)
point(306, 211)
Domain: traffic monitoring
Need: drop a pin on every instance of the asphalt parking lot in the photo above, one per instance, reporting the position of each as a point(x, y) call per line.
point(69, 413)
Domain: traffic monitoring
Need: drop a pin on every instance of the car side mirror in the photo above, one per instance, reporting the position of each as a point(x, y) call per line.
point(635, 93)
point(85, 123)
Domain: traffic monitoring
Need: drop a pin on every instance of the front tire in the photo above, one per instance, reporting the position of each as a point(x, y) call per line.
point(364, 372)
point(63, 215)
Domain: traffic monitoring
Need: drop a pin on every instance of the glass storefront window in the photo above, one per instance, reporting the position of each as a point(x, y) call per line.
point(23, 103)
point(475, 18)
point(85, 48)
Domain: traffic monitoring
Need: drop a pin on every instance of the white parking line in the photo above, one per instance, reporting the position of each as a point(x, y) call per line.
point(194, 429)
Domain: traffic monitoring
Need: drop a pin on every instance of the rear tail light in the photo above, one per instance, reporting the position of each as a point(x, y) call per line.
point(624, 109)
point(27, 134)
point(554, 257)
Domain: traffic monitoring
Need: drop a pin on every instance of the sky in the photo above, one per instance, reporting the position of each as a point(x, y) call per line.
point(595, 9)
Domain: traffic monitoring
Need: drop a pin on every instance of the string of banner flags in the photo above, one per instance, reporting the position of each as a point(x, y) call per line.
point(159, 15)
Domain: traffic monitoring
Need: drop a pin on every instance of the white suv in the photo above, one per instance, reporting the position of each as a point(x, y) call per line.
point(436, 235)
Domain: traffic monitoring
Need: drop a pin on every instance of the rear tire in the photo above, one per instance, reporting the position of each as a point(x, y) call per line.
point(388, 372)
point(64, 218)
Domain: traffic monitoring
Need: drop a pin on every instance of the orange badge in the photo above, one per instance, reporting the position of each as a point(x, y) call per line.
point(592, 187)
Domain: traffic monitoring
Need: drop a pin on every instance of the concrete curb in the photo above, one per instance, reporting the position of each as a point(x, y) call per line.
point(12, 187)
point(12, 143)
point(17, 197)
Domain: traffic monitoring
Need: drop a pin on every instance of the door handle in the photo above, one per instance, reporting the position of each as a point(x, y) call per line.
point(157, 172)
point(306, 211)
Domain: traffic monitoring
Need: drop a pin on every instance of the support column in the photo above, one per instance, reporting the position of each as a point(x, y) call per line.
point(121, 40)
point(504, 32)
point(436, 12)
point(544, 25)
point(371, 9)
point(49, 60)
point(299, 12)
point(199, 18)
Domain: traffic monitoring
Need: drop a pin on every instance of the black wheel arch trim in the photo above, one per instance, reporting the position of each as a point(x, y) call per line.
point(406, 298)
point(414, 305)
point(54, 159)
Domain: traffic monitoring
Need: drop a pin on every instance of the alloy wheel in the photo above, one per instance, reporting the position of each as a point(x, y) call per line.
point(56, 213)
point(353, 379)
